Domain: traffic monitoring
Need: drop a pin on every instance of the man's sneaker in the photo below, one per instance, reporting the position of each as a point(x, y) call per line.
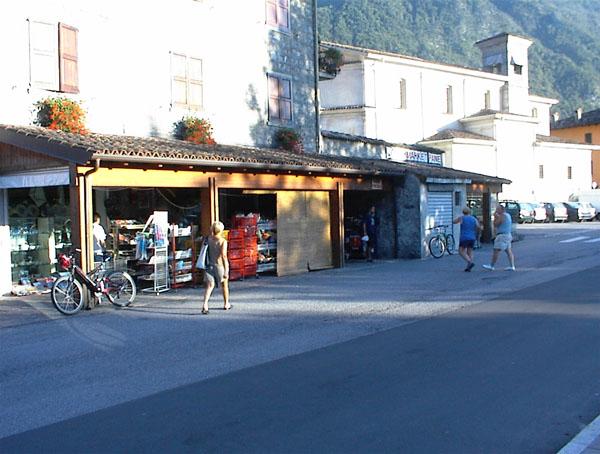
point(489, 267)
point(510, 268)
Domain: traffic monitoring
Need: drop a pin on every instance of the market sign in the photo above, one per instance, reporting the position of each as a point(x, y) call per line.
point(403, 155)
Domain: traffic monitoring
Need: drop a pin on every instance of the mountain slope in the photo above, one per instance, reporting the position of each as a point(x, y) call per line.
point(564, 59)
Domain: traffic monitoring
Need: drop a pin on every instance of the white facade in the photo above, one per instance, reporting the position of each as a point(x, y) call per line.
point(402, 99)
point(129, 51)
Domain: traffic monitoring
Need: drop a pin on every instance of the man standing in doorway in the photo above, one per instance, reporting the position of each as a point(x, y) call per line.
point(370, 230)
point(99, 239)
point(503, 225)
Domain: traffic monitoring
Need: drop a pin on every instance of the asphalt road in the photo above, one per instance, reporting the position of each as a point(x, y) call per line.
point(416, 354)
point(517, 374)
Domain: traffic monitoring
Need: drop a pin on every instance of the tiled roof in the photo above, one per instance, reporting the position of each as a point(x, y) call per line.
point(447, 134)
point(354, 138)
point(351, 107)
point(541, 138)
point(591, 117)
point(144, 150)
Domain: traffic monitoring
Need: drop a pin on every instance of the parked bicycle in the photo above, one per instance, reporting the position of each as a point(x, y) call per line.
point(441, 241)
point(67, 292)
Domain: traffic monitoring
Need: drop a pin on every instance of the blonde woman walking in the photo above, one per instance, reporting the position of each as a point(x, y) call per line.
point(217, 271)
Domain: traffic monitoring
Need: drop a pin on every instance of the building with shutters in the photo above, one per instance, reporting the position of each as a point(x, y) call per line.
point(137, 70)
point(485, 120)
point(582, 127)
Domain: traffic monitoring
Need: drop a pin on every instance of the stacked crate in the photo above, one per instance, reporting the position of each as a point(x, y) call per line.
point(242, 250)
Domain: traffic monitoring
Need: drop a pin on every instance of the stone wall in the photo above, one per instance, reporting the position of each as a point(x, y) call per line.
point(408, 217)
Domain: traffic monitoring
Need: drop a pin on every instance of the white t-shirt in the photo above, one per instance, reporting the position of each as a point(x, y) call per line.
point(99, 238)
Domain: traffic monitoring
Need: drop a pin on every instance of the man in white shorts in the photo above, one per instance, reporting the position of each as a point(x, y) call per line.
point(503, 225)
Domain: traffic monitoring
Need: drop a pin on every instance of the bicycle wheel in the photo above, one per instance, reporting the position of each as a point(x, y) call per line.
point(437, 247)
point(67, 295)
point(121, 288)
point(450, 244)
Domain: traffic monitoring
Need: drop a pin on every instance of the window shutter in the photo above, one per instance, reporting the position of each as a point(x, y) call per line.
point(67, 43)
point(285, 99)
point(43, 56)
point(178, 79)
point(283, 17)
point(273, 87)
point(195, 95)
point(272, 12)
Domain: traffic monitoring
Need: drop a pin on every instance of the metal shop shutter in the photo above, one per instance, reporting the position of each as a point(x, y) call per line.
point(439, 208)
point(303, 231)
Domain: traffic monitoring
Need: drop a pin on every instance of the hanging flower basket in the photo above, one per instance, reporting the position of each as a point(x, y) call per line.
point(192, 129)
point(330, 61)
point(61, 114)
point(289, 139)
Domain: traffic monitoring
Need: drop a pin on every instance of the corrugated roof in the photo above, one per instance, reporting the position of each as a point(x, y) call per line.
point(144, 150)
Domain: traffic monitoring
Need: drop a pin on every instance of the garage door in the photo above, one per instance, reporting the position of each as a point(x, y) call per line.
point(439, 208)
point(303, 231)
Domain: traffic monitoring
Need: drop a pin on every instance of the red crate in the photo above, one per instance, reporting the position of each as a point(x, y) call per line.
point(235, 234)
point(235, 275)
point(250, 253)
point(250, 243)
point(245, 221)
point(250, 270)
point(233, 254)
point(236, 244)
point(236, 264)
point(249, 232)
point(250, 260)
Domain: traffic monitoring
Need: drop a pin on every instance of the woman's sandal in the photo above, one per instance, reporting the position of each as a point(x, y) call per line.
point(204, 311)
point(228, 308)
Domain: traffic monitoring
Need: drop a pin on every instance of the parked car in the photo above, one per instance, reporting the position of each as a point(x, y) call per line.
point(572, 211)
point(587, 212)
point(520, 212)
point(555, 212)
point(539, 212)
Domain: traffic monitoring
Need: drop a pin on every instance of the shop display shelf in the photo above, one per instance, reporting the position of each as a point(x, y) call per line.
point(261, 267)
point(267, 246)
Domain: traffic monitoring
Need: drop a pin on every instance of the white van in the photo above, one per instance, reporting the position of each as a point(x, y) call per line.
point(592, 197)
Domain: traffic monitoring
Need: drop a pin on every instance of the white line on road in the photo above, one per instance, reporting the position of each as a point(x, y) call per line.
point(577, 238)
point(595, 240)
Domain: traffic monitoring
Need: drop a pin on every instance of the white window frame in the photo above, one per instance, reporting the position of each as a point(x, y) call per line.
point(51, 52)
point(449, 100)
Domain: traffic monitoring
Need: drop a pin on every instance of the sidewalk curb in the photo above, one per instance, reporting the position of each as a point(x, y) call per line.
point(584, 439)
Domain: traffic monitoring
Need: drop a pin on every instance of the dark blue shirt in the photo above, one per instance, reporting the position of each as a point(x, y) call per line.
point(468, 228)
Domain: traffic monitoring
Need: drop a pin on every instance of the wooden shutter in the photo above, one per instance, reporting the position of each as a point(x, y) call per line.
point(318, 230)
point(67, 44)
point(195, 95)
point(285, 99)
point(303, 231)
point(178, 79)
point(272, 12)
point(43, 56)
point(273, 88)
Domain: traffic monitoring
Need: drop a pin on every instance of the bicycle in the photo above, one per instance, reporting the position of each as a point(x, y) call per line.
point(441, 242)
point(67, 292)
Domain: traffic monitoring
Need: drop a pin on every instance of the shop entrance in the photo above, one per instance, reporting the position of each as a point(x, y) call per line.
point(356, 206)
point(134, 240)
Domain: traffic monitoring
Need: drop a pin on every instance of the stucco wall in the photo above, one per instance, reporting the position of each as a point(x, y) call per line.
point(124, 64)
point(409, 228)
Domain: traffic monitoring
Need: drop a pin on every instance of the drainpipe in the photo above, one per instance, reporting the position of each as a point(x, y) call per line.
point(316, 79)
point(84, 235)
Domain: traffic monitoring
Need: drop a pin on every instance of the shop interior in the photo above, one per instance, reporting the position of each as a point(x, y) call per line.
point(250, 216)
point(356, 206)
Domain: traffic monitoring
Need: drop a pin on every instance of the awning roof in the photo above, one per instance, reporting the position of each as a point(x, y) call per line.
point(82, 149)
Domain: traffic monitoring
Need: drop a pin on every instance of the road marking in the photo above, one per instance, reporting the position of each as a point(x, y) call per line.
point(595, 240)
point(577, 238)
point(584, 439)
